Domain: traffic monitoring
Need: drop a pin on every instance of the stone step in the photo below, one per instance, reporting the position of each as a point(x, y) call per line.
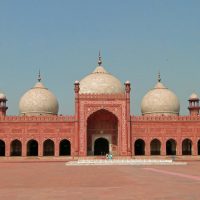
point(123, 162)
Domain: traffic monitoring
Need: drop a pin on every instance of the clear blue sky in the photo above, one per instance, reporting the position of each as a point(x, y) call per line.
point(62, 39)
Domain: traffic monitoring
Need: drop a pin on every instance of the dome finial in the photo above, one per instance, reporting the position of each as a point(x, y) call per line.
point(39, 77)
point(99, 59)
point(159, 79)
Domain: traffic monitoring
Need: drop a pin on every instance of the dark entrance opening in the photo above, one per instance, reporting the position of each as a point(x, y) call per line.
point(187, 147)
point(65, 148)
point(48, 148)
point(198, 147)
point(2, 148)
point(139, 147)
point(155, 147)
point(32, 148)
point(101, 146)
point(16, 148)
point(171, 147)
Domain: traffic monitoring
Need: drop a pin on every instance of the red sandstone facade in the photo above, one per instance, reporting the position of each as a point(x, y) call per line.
point(102, 123)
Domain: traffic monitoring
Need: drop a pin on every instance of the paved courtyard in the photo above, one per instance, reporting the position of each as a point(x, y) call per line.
point(54, 180)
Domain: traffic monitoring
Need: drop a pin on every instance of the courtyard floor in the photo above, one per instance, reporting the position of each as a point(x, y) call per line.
point(55, 180)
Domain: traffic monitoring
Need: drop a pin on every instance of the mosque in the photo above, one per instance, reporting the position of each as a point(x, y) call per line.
point(102, 122)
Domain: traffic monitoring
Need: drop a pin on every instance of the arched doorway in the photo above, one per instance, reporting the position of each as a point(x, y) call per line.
point(102, 124)
point(15, 148)
point(101, 146)
point(2, 148)
point(65, 148)
point(198, 147)
point(48, 148)
point(187, 147)
point(32, 148)
point(139, 147)
point(155, 147)
point(171, 147)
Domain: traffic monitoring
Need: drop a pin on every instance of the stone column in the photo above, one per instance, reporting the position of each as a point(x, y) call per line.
point(56, 148)
point(163, 148)
point(123, 135)
point(40, 149)
point(179, 148)
point(147, 148)
point(194, 147)
point(24, 148)
point(82, 135)
point(7, 148)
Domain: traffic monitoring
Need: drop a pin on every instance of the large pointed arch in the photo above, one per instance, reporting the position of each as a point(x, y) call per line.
point(102, 124)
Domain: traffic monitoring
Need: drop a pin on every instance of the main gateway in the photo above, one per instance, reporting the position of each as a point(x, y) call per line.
point(102, 122)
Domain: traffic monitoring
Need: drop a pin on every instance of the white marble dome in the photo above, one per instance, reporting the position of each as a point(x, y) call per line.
point(38, 101)
point(100, 82)
point(160, 101)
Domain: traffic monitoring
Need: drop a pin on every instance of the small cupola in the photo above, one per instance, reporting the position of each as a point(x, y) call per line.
point(3, 107)
point(194, 104)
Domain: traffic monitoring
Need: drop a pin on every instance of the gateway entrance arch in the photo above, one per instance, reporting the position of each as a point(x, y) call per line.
point(102, 133)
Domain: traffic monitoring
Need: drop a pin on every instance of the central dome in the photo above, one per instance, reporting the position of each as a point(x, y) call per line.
point(38, 101)
point(100, 82)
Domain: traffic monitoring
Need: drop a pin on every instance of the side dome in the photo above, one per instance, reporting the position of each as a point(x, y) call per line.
point(38, 101)
point(160, 101)
point(100, 82)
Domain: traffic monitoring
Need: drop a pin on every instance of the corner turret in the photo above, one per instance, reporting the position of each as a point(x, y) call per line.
point(194, 104)
point(3, 107)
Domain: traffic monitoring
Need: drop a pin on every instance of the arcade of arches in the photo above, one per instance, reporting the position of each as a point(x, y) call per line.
point(170, 147)
point(32, 148)
point(101, 146)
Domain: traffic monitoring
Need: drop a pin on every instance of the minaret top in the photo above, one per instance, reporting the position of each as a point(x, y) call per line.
point(39, 84)
point(39, 77)
point(99, 59)
point(159, 85)
point(159, 78)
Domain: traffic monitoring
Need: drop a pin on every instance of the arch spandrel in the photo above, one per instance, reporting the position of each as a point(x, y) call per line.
point(115, 111)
